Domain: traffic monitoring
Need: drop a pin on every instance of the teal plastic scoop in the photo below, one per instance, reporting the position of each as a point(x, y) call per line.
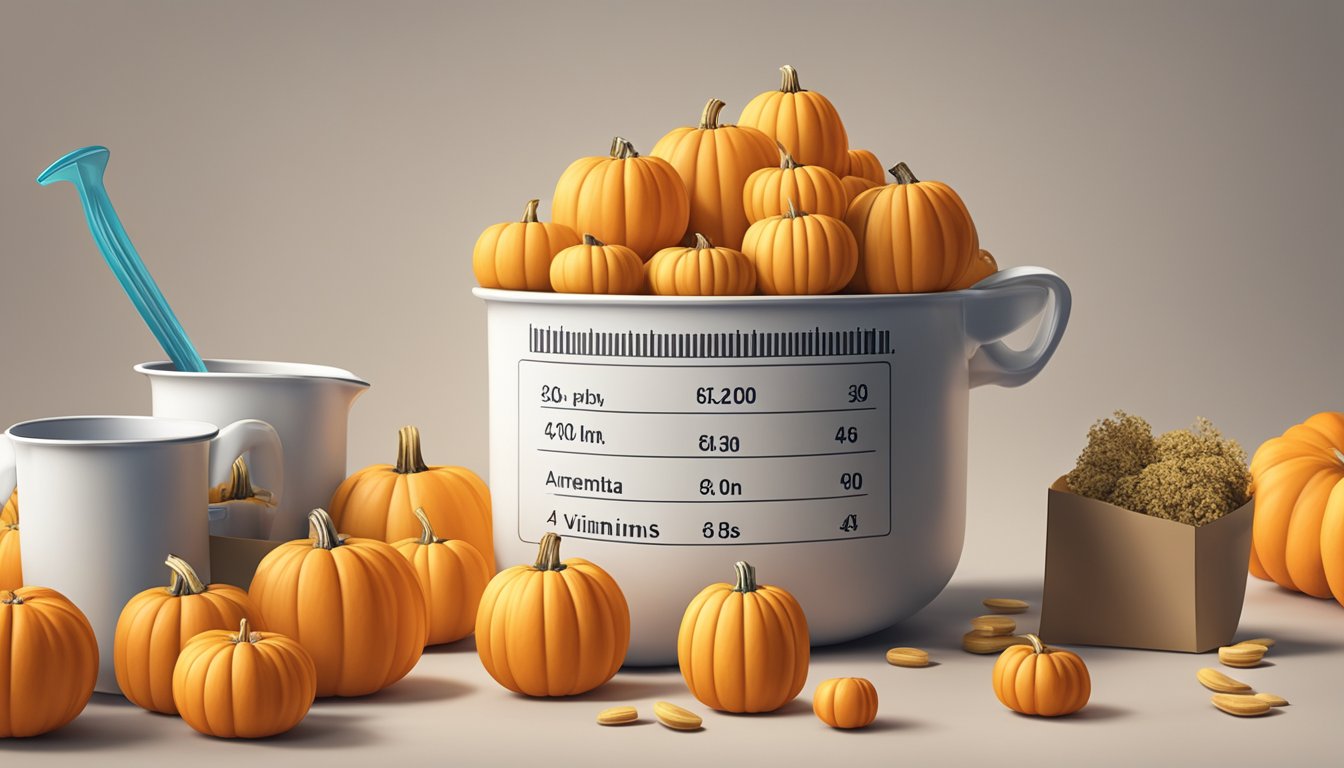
point(84, 168)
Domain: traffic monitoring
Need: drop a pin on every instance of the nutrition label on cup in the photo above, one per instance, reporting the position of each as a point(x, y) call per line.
point(703, 455)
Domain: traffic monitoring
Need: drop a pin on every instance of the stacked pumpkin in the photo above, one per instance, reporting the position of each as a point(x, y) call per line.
point(777, 204)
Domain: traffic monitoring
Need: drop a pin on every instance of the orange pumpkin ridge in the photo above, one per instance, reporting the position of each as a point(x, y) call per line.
point(1036, 680)
point(596, 267)
point(452, 576)
point(801, 253)
point(805, 121)
point(700, 270)
point(845, 702)
point(48, 661)
point(517, 255)
point(768, 191)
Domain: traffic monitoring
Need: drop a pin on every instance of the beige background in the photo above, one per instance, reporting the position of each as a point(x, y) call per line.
point(306, 181)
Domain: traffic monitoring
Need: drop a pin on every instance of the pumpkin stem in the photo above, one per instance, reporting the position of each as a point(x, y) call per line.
point(240, 483)
point(409, 458)
point(185, 581)
point(590, 240)
point(709, 119)
point(793, 212)
point(622, 149)
point(426, 530)
point(1339, 456)
point(789, 80)
point(548, 554)
point(12, 599)
point(324, 530)
point(245, 633)
point(746, 577)
point(903, 174)
point(701, 242)
point(786, 161)
point(1036, 645)
point(530, 212)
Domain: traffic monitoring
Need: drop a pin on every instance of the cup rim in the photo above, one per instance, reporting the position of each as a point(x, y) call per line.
point(265, 369)
point(188, 431)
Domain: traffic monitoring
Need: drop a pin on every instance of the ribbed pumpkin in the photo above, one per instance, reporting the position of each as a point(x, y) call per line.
point(982, 266)
point(811, 188)
point(379, 501)
point(1298, 531)
point(48, 662)
point(701, 270)
point(845, 702)
point(801, 253)
point(743, 647)
point(241, 684)
point(804, 121)
point(595, 267)
point(638, 202)
point(914, 236)
point(354, 604)
point(865, 165)
point(156, 624)
point(1036, 680)
point(714, 161)
point(855, 185)
point(247, 508)
point(11, 566)
point(553, 628)
point(9, 513)
point(452, 576)
point(517, 254)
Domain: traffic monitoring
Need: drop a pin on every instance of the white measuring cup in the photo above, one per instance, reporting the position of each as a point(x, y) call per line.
point(821, 438)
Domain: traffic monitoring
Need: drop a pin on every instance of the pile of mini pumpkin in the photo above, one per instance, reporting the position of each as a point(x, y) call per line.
point(777, 204)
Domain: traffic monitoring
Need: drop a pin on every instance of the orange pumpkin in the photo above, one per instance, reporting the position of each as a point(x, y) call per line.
point(801, 253)
point(865, 164)
point(914, 236)
point(855, 185)
point(714, 161)
point(10, 512)
point(595, 267)
point(156, 624)
point(553, 628)
point(517, 255)
point(354, 604)
point(804, 121)
point(701, 270)
point(1298, 533)
point(638, 202)
point(769, 191)
point(744, 647)
point(48, 661)
point(982, 266)
point(1036, 680)
point(379, 501)
point(452, 576)
point(241, 684)
point(11, 566)
point(845, 702)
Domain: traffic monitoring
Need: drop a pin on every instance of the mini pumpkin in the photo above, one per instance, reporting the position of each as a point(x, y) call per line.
point(744, 647)
point(865, 165)
point(48, 661)
point(354, 604)
point(11, 566)
point(804, 121)
point(554, 628)
point(241, 684)
point(517, 255)
point(156, 624)
point(982, 266)
point(1298, 531)
point(801, 253)
point(855, 185)
point(639, 202)
point(595, 267)
point(379, 501)
point(714, 161)
point(1036, 680)
point(811, 188)
point(452, 575)
point(246, 509)
point(845, 702)
point(701, 270)
point(914, 236)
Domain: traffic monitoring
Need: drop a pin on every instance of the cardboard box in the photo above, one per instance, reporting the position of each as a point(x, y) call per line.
point(234, 560)
point(1121, 578)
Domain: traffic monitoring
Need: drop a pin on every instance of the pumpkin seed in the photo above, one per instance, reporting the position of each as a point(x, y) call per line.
point(677, 718)
point(908, 657)
point(1005, 605)
point(1241, 655)
point(617, 716)
point(1272, 700)
point(1265, 641)
point(1218, 682)
point(976, 642)
point(994, 625)
point(1240, 705)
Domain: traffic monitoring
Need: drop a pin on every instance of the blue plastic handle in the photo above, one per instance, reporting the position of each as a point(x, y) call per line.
point(84, 168)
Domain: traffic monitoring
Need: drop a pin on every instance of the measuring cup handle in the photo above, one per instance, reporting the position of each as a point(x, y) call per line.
point(7, 477)
point(1004, 302)
point(262, 441)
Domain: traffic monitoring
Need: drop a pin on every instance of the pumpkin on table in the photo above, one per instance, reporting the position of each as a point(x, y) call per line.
point(845, 702)
point(517, 255)
point(744, 647)
point(801, 253)
point(156, 624)
point(379, 501)
point(701, 270)
point(48, 661)
point(554, 628)
point(354, 604)
point(982, 266)
point(639, 202)
point(595, 267)
point(865, 165)
point(1036, 680)
point(714, 161)
point(769, 191)
point(452, 575)
point(242, 684)
point(804, 121)
point(914, 236)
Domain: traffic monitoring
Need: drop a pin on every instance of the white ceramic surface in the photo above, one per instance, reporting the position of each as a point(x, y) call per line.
point(821, 438)
point(308, 405)
point(105, 499)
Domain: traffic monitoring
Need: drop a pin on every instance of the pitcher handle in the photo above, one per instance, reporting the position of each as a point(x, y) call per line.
point(267, 454)
point(1004, 302)
point(7, 476)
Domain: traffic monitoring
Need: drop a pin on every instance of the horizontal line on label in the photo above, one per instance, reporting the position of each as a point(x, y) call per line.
point(700, 456)
point(705, 413)
point(705, 501)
